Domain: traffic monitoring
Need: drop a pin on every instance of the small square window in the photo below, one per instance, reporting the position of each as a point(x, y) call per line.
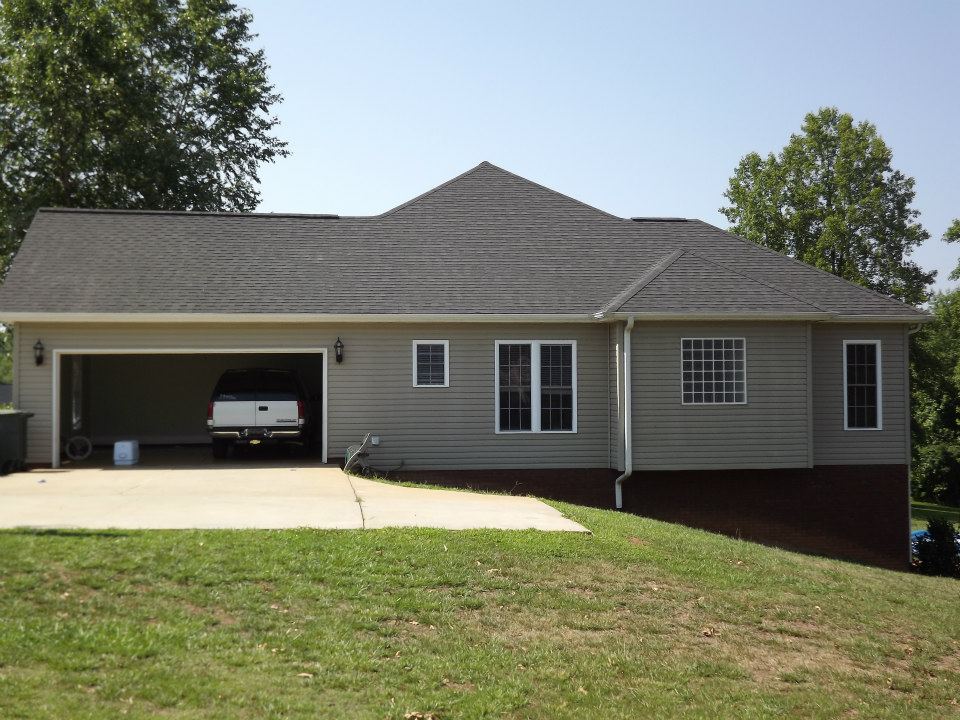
point(713, 370)
point(431, 363)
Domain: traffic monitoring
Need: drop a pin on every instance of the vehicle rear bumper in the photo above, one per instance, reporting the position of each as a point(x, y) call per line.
point(243, 434)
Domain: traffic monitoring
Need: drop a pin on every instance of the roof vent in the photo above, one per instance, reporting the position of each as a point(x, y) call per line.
point(658, 219)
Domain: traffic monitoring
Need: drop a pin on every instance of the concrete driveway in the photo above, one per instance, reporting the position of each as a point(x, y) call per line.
point(238, 496)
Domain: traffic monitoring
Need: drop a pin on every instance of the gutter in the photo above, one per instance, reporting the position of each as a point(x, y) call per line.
point(627, 414)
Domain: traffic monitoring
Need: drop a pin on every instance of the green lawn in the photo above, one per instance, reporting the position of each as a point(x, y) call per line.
point(639, 620)
point(924, 512)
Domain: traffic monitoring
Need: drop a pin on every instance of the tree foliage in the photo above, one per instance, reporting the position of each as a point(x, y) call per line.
point(935, 383)
point(158, 104)
point(953, 235)
point(831, 199)
point(6, 355)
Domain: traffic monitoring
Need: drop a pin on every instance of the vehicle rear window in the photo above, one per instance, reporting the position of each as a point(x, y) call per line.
point(277, 385)
point(237, 385)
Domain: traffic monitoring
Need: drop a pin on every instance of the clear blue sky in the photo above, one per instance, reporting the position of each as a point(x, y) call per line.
point(637, 108)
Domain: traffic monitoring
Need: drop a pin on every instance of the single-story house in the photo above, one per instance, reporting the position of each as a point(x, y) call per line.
point(497, 333)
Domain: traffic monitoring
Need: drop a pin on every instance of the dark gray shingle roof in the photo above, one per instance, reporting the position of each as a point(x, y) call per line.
point(487, 241)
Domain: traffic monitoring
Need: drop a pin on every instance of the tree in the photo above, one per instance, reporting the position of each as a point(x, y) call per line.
point(6, 355)
point(831, 199)
point(158, 104)
point(935, 386)
point(953, 235)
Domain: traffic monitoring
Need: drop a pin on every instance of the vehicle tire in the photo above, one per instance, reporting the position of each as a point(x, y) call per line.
point(220, 449)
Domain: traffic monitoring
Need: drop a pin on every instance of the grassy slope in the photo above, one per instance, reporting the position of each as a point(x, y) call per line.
point(641, 619)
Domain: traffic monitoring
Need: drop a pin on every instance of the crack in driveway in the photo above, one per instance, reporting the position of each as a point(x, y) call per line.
point(363, 519)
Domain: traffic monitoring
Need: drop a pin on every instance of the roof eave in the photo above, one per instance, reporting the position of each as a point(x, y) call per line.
point(919, 318)
point(769, 316)
point(718, 316)
point(180, 317)
point(155, 318)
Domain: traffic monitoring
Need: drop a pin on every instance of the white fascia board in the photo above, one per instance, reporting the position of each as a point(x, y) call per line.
point(915, 320)
point(681, 317)
point(42, 317)
point(811, 317)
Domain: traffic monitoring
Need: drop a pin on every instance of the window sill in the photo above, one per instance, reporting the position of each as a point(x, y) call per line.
point(714, 404)
point(535, 432)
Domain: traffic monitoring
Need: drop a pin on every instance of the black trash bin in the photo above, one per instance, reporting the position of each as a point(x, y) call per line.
point(13, 440)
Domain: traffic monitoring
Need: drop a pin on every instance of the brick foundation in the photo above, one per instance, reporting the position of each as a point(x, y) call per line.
point(853, 512)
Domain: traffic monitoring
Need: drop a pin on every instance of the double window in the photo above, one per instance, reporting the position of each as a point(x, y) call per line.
point(714, 371)
point(536, 386)
point(431, 363)
point(863, 406)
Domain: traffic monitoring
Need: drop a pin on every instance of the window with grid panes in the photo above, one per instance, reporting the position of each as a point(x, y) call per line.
point(862, 384)
point(713, 371)
point(536, 386)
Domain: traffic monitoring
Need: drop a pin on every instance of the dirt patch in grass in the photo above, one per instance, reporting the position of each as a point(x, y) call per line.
point(213, 613)
point(949, 663)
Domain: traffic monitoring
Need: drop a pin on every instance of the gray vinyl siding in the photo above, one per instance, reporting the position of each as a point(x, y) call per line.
point(769, 431)
point(832, 444)
point(372, 390)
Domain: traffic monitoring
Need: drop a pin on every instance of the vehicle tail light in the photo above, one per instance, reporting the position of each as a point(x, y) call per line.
point(300, 413)
point(210, 413)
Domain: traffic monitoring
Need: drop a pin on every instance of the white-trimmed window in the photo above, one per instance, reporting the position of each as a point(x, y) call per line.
point(713, 371)
point(536, 385)
point(862, 385)
point(431, 363)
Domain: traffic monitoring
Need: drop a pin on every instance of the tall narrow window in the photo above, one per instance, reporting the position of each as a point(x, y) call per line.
point(515, 387)
point(431, 363)
point(536, 386)
point(862, 385)
point(556, 387)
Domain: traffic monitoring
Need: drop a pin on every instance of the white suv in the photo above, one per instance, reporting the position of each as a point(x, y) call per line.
point(252, 406)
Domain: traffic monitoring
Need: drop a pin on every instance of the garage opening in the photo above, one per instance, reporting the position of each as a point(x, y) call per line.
point(161, 398)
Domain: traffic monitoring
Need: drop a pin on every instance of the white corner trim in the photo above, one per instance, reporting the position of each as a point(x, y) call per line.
point(846, 425)
point(534, 386)
point(55, 379)
point(446, 362)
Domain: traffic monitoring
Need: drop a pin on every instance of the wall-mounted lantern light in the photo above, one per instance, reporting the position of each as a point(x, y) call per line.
point(38, 352)
point(338, 350)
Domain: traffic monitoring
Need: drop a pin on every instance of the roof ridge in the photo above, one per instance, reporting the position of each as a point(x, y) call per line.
point(489, 164)
point(442, 185)
point(641, 282)
point(809, 266)
point(758, 281)
point(552, 191)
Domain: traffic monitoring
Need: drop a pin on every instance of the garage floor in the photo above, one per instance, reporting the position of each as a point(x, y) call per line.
point(252, 495)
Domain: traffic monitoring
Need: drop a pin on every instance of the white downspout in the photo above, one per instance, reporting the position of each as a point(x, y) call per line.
point(627, 414)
